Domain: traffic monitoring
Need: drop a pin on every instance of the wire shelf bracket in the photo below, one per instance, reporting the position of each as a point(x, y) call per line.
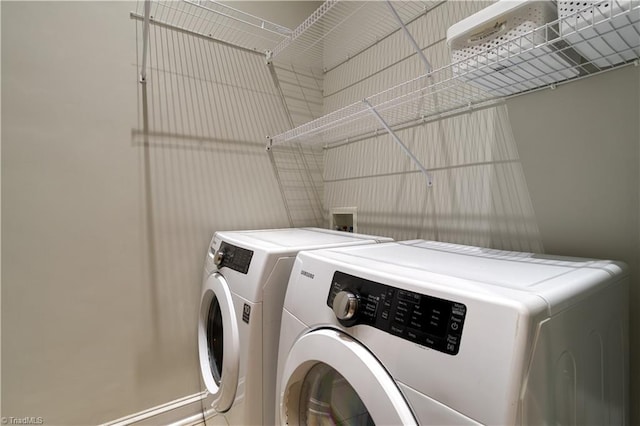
point(406, 31)
point(145, 41)
point(397, 140)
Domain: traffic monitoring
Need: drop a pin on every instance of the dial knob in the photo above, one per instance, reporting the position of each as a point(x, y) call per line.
point(345, 305)
point(218, 257)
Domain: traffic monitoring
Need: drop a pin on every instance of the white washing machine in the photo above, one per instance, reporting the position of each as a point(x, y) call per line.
point(432, 333)
point(245, 278)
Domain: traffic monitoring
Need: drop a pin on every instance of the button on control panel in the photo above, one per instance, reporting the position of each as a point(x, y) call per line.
point(236, 258)
point(429, 321)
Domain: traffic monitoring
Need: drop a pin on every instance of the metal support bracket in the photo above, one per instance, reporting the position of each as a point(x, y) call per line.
point(399, 142)
point(145, 40)
point(419, 51)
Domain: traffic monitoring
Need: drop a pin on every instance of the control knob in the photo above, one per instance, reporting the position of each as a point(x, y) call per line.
point(218, 257)
point(345, 305)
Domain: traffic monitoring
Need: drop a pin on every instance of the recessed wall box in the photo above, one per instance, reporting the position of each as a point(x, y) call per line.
point(343, 219)
point(505, 48)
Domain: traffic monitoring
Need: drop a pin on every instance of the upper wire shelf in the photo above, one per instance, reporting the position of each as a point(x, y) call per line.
point(345, 28)
point(339, 30)
point(579, 44)
point(211, 19)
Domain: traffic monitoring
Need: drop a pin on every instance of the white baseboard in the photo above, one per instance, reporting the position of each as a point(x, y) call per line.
point(186, 411)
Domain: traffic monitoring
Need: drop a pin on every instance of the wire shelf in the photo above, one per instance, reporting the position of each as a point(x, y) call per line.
point(346, 28)
point(421, 98)
point(210, 19)
point(514, 66)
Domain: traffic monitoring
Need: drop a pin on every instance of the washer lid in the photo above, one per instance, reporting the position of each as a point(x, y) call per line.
point(218, 344)
point(329, 375)
point(292, 240)
point(419, 259)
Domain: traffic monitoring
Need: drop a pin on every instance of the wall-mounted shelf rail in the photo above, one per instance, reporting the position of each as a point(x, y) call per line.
point(581, 43)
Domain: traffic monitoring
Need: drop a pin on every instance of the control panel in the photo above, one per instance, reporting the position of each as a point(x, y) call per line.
point(429, 321)
point(230, 256)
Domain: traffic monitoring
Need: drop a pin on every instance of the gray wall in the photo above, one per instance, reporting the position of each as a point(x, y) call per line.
point(581, 160)
point(103, 237)
point(555, 171)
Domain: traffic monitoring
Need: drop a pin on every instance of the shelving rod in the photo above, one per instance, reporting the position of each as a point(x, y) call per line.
point(145, 41)
point(399, 142)
point(419, 51)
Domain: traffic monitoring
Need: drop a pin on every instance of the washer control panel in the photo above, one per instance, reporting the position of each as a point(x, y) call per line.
point(234, 257)
point(429, 321)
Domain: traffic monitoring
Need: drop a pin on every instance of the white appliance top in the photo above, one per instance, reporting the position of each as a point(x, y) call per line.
point(479, 270)
point(455, 326)
point(295, 239)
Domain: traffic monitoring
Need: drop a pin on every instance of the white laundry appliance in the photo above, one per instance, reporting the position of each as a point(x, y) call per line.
point(432, 333)
point(245, 277)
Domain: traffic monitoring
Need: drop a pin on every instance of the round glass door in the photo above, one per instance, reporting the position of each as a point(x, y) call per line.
point(329, 378)
point(327, 398)
point(215, 339)
point(218, 344)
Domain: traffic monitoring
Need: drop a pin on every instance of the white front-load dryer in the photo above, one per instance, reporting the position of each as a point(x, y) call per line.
point(244, 283)
point(431, 333)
